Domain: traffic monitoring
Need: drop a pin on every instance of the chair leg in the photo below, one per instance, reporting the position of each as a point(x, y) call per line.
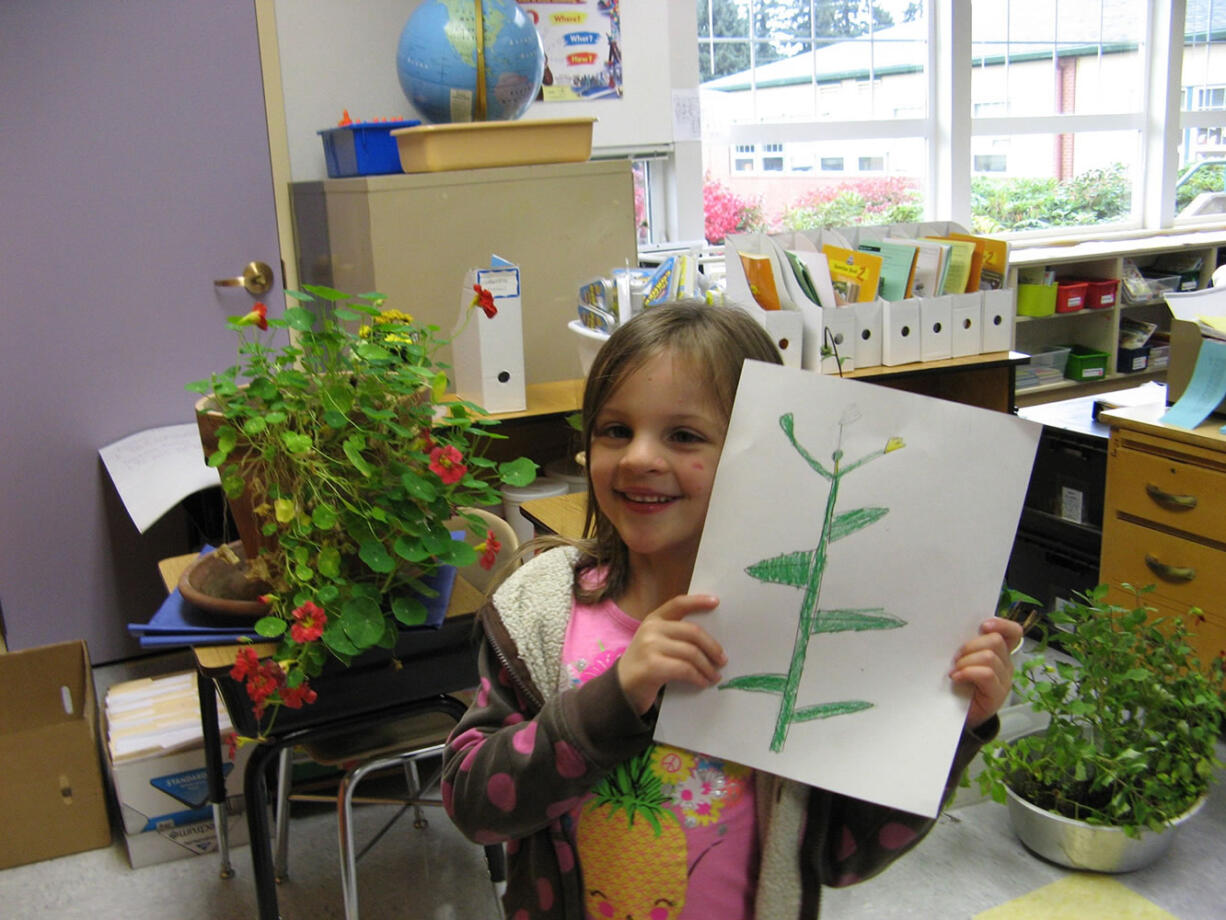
point(415, 791)
point(496, 861)
point(281, 831)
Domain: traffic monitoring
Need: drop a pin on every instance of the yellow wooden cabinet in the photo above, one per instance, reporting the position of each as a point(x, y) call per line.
point(1164, 520)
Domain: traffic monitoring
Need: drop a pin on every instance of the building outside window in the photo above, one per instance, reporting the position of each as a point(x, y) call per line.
point(1057, 108)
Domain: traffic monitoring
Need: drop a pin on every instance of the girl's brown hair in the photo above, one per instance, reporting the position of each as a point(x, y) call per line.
point(715, 341)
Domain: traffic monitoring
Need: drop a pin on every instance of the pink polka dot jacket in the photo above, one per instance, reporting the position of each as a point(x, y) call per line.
point(532, 746)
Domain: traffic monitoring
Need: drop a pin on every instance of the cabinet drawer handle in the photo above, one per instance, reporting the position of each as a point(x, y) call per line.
point(1170, 501)
point(1175, 573)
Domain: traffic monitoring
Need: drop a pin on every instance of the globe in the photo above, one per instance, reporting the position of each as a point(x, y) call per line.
point(436, 60)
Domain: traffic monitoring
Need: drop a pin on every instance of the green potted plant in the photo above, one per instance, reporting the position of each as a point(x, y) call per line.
point(1128, 752)
point(343, 463)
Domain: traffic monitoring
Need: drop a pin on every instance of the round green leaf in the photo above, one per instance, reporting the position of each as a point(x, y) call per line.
point(271, 627)
point(362, 621)
point(375, 555)
point(409, 610)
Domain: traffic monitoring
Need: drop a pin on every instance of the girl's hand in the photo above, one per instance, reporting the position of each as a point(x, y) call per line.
point(668, 648)
point(985, 663)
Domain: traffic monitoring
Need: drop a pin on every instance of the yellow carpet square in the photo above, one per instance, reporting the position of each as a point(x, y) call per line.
point(1079, 897)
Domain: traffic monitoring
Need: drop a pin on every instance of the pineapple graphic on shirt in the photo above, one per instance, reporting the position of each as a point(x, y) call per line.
point(633, 846)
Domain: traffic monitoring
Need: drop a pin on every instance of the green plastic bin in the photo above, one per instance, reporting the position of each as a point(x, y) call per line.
point(1085, 363)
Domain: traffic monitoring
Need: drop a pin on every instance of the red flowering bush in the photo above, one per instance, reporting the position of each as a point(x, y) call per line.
point(857, 201)
point(353, 465)
point(726, 212)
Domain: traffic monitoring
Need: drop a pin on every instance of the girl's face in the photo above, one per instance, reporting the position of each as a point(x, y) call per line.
point(655, 446)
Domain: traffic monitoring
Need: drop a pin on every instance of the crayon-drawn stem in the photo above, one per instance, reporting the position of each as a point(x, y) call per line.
point(808, 610)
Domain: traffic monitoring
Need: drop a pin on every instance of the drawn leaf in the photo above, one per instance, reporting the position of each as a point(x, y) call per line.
point(827, 710)
point(831, 621)
point(786, 569)
point(758, 683)
point(849, 522)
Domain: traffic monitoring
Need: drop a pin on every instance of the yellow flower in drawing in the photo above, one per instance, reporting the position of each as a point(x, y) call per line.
point(672, 765)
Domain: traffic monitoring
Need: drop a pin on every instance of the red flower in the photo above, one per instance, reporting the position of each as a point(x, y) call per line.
point(492, 548)
point(263, 684)
point(310, 623)
point(296, 697)
point(257, 317)
point(247, 662)
point(484, 300)
point(448, 464)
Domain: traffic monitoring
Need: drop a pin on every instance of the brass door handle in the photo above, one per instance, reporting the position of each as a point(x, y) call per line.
point(256, 278)
point(1172, 573)
point(1169, 500)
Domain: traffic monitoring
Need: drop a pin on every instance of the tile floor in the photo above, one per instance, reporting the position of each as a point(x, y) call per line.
point(970, 863)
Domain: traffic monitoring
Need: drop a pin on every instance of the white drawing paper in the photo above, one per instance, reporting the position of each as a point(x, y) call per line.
point(155, 469)
point(927, 503)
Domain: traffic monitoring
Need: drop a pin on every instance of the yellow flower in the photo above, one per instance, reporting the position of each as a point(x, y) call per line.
point(671, 764)
point(895, 443)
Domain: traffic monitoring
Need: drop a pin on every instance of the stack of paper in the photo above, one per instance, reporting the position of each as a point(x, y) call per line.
point(155, 715)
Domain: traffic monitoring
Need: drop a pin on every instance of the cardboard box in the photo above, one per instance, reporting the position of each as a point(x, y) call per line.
point(52, 796)
point(155, 754)
point(1185, 348)
point(197, 838)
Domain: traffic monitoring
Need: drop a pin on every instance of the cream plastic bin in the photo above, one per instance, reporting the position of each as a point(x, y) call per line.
point(589, 341)
point(483, 144)
point(514, 496)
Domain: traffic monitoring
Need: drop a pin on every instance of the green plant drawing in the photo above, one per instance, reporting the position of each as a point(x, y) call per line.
point(804, 569)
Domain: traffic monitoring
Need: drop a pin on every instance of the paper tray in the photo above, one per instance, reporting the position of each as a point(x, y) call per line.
point(482, 144)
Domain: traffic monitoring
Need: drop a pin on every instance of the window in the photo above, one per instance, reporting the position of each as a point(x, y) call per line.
point(817, 77)
point(1057, 107)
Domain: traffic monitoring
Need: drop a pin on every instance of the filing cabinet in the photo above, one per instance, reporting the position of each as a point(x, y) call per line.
point(1164, 520)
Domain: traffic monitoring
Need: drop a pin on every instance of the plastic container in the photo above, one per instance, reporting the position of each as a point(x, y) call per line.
point(1053, 356)
point(1036, 299)
point(1101, 294)
point(1085, 363)
point(566, 470)
point(1070, 296)
point(482, 144)
point(589, 341)
point(1132, 360)
point(1159, 357)
point(514, 496)
point(362, 149)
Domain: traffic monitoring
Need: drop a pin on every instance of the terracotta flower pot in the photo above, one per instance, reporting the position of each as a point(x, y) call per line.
point(209, 421)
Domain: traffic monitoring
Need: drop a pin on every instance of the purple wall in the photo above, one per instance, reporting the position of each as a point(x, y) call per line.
point(135, 171)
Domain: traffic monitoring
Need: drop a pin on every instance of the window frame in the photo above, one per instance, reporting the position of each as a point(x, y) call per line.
point(949, 125)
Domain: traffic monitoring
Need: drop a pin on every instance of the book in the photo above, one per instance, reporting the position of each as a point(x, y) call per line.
point(854, 275)
point(760, 276)
point(801, 272)
point(897, 267)
point(959, 258)
point(995, 260)
point(926, 275)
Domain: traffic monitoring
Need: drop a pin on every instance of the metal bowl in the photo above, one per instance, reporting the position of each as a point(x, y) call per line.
point(1093, 847)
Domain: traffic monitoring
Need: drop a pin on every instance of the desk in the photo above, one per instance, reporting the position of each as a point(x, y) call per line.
point(433, 663)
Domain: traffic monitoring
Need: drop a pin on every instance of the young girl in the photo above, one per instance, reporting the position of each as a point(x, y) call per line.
point(555, 756)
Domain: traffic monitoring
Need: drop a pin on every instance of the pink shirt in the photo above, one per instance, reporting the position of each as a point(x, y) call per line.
point(669, 834)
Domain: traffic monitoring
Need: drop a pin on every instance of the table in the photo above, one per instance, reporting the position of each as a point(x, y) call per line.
point(559, 514)
point(433, 664)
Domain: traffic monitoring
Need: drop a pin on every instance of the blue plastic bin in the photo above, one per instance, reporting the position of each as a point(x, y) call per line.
point(363, 149)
